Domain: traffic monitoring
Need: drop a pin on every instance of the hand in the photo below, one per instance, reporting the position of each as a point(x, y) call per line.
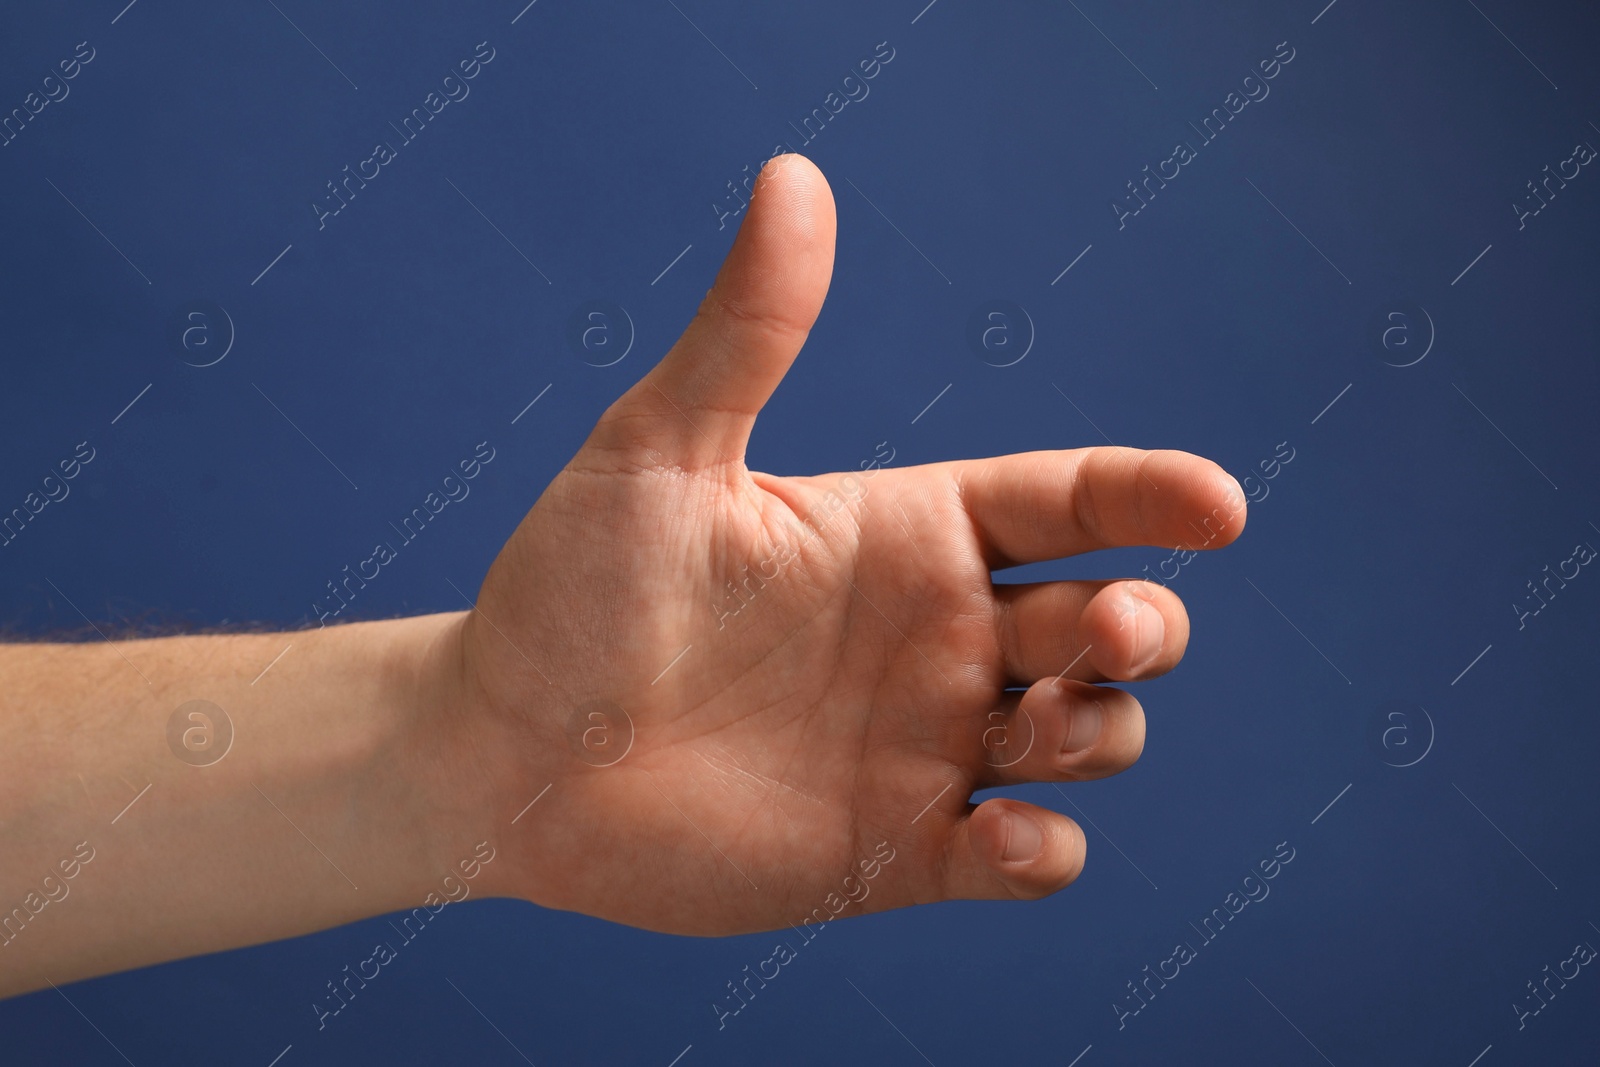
point(815, 670)
point(737, 702)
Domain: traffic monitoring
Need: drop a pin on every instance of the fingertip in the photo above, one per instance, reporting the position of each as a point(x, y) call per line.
point(798, 198)
point(1136, 629)
point(1033, 851)
point(1220, 504)
point(1235, 502)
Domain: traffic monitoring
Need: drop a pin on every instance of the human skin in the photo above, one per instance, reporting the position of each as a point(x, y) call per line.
point(858, 696)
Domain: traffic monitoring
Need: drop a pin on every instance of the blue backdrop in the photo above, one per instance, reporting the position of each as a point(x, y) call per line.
point(1366, 280)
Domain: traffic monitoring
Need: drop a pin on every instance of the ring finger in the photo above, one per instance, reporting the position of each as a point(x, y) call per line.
point(1116, 631)
point(1061, 731)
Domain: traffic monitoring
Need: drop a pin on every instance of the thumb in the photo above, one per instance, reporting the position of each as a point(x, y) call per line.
point(697, 406)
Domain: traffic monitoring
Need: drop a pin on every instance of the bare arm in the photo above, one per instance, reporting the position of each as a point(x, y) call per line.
point(341, 793)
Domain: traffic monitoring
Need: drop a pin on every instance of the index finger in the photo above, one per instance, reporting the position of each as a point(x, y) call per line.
point(1035, 506)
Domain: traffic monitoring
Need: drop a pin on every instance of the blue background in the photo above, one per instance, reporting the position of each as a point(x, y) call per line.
point(1392, 547)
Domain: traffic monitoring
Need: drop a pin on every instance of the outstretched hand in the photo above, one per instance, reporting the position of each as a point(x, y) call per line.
point(691, 697)
point(750, 696)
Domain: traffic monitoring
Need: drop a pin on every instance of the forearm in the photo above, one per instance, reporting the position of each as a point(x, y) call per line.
point(347, 791)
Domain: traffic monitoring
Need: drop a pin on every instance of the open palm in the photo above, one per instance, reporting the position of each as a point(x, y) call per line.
point(757, 700)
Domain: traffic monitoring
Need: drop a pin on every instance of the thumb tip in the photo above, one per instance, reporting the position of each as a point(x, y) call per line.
point(793, 191)
point(790, 166)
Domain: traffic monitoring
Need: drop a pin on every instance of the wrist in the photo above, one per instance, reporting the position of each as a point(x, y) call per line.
point(464, 763)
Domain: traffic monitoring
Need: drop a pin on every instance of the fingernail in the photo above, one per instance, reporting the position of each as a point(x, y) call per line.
point(1023, 838)
point(1083, 729)
point(1149, 629)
